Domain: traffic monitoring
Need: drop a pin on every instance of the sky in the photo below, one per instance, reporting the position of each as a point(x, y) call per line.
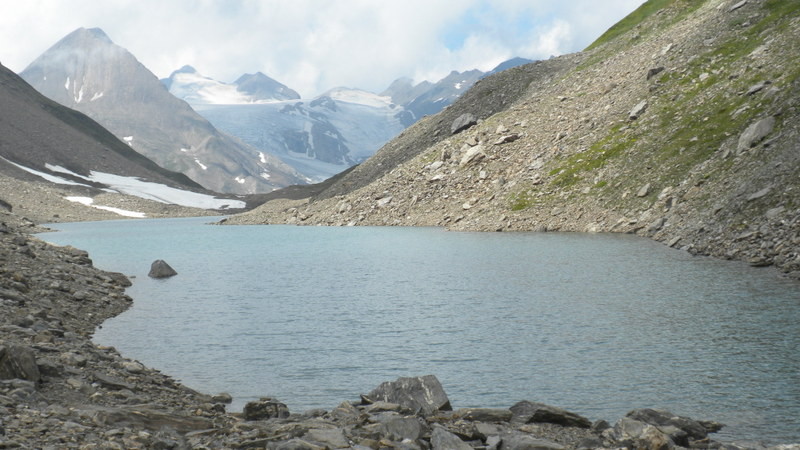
point(315, 45)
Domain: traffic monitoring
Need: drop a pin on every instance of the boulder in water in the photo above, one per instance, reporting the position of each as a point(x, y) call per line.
point(160, 269)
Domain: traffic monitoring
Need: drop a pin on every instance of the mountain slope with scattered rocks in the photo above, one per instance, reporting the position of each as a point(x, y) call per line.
point(680, 124)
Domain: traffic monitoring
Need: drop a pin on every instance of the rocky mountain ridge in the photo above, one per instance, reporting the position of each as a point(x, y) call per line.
point(679, 125)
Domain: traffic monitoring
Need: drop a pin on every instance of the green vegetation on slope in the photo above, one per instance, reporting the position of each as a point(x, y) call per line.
point(695, 117)
point(617, 141)
point(641, 13)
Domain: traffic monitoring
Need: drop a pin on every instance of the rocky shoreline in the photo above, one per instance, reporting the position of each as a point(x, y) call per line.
point(59, 390)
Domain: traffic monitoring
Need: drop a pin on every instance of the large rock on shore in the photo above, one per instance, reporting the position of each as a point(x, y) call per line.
point(265, 408)
point(18, 361)
point(532, 412)
point(660, 418)
point(423, 394)
point(143, 417)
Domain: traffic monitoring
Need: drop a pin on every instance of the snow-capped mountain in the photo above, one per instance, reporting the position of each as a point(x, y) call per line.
point(262, 88)
point(319, 137)
point(86, 71)
point(188, 84)
point(45, 142)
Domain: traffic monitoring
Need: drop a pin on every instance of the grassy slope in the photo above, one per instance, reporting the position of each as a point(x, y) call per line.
point(646, 10)
point(694, 112)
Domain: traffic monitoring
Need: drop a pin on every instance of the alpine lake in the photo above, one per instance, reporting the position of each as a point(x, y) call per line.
point(598, 324)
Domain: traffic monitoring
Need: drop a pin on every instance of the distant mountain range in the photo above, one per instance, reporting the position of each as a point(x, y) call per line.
point(319, 137)
point(86, 71)
point(249, 136)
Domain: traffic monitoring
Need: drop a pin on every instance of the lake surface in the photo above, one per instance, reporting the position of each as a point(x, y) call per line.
point(598, 324)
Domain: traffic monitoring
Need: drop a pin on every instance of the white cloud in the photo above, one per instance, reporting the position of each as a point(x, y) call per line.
point(312, 45)
point(553, 40)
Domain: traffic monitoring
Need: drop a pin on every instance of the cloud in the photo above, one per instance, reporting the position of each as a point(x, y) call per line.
point(314, 45)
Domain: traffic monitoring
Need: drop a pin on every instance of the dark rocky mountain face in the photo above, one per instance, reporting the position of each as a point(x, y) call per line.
point(87, 72)
point(428, 98)
point(443, 93)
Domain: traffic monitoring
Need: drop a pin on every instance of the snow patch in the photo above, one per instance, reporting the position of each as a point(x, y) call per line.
point(96, 96)
point(458, 85)
point(359, 97)
point(79, 97)
point(162, 193)
point(240, 180)
point(185, 150)
point(195, 89)
point(128, 140)
point(202, 166)
point(46, 176)
point(122, 212)
point(63, 170)
point(265, 175)
point(139, 188)
point(66, 85)
point(262, 157)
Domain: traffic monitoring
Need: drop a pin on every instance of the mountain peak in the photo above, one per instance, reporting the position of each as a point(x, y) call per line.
point(251, 76)
point(76, 69)
point(262, 87)
point(186, 69)
point(98, 33)
point(87, 35)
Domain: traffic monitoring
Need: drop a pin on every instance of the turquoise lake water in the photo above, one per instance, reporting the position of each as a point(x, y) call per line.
point(598, 324)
